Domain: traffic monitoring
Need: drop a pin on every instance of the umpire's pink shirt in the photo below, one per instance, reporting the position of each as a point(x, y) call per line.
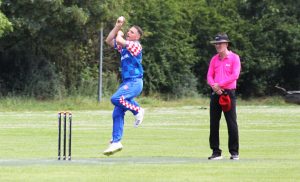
point(224, 72)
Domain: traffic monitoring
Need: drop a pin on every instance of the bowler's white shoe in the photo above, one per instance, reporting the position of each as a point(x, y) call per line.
point(113, 148)
point(139, 117)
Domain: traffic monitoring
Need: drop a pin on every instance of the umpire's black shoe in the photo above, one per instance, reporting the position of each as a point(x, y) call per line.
point(234, 157)
point(215, 157)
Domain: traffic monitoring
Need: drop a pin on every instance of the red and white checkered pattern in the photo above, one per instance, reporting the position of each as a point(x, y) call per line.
point(128, 105)
point(133, 47)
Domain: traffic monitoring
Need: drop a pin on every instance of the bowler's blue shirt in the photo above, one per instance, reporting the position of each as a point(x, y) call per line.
point(131, 59)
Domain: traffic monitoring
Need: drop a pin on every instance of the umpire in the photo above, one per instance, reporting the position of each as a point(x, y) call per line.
point(223, 72)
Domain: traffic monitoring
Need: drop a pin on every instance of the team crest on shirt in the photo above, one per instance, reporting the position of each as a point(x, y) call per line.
point(125, 87)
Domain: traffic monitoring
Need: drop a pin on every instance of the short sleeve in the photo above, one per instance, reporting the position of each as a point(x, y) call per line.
point(133, 47)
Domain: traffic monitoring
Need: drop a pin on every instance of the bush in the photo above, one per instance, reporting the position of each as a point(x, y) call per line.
point(89, 86)
point(185, 86)
point(110, 83)
point(43, 82)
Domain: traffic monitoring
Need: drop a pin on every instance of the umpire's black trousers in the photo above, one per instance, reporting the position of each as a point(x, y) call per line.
point(231, 120)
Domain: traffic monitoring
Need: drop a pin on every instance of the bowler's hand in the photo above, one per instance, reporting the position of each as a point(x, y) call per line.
point(120, 21)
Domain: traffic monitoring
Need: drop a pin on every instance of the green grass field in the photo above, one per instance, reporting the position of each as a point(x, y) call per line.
point(171, 145)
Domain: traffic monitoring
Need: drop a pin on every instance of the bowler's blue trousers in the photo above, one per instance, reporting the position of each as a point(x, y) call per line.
point(122, 99)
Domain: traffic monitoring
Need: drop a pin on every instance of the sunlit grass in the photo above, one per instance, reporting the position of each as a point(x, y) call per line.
point(171, 145)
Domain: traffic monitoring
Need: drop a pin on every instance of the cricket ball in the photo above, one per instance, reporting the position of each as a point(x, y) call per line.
point(121, 19)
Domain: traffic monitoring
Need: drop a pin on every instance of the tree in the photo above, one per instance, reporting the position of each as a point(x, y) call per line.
point(168, 49)
point(274, 38)
point(55, 32)
point(5, 24)
point(54, 45)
